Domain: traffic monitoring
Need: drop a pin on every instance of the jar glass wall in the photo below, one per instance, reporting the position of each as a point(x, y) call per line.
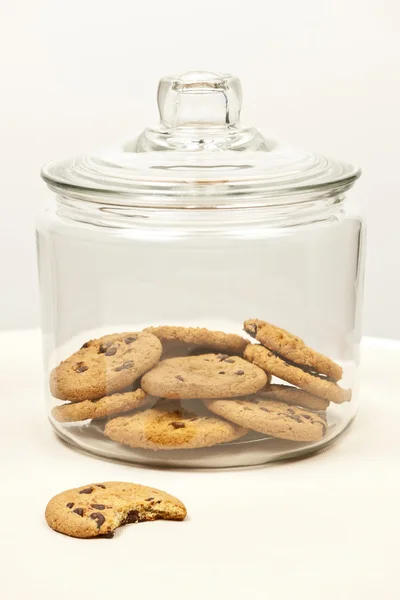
point(104, 272)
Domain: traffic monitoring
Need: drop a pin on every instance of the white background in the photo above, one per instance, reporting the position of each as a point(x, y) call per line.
point(80, 74)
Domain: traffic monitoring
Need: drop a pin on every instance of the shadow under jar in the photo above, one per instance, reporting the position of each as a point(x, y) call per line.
point(201, 290)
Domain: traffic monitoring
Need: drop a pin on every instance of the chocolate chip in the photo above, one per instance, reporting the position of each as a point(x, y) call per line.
point(100, 485)
point(264, 409)
point(130, 339)
point(177, 425)
point(131, 517)
point(221, 373)
point(70, 505)
point(240, 372)
point(149, 499)
point(158, 501)
point(111, 351)
point(85, 345)
point(126, 365)
point(305, 416)
point(295, 418)
point(104, 347)
point(98, 506)
point(291, 411)
point(108, 535)
point(223, 356)
point(99, 518)
point(88, 490)
point(79, 511)
point(229, 360)
point(81, 367)
point(179, 377)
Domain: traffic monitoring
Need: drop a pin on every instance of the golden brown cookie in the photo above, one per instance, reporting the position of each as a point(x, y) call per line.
point(97, 509)
point(300, 377)
point(167, 426)
point(114, 404)
point(292, 348)
point(187, 340)
point(105, 366)
point(204, 376)
point(272, 418)
point(292, 395)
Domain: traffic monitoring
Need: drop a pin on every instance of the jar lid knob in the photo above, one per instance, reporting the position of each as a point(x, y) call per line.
point(200, 111)
point(199, 97)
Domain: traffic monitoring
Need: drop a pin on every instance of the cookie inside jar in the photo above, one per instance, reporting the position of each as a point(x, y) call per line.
point(202, 396)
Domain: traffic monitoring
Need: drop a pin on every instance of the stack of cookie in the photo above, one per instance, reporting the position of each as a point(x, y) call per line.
point(148, 376)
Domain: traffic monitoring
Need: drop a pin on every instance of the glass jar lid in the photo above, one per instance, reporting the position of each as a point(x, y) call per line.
point(199, 155)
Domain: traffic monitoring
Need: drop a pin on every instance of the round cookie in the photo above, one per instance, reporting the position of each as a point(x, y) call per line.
point(114, 404)
point(292, 348)
point(292, 395)
point(198, 337)
point(300, 377)
point(105, 366)
point(272, 418)
point(167, 427)
point(203, 376)
point(98, 509)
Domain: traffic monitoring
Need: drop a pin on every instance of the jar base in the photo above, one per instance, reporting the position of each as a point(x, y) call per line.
point(254, 449)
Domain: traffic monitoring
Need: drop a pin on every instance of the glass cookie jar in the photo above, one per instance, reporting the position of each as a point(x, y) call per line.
point(201, 290)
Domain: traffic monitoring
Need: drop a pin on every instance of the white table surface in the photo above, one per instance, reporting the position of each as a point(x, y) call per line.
point(325, 527)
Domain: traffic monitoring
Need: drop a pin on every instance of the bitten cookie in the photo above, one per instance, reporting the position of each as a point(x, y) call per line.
point(204, 376)
point(272, 418)
point(197, 338)
point(98, 509)
point(306, 380)
point(167, 427)
point(114, 404)
point(291, 347)
point(105, 366)
point(292, 395)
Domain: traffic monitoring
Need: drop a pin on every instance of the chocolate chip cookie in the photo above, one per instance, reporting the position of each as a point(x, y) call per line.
point(309, 381)
point(186, 340)
point(167, 426)
point(292, 395)
point(292, 348)
point(107, 406)
point(105, 366)
point(204, 376)
point(97, 509)
point(272, 418)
